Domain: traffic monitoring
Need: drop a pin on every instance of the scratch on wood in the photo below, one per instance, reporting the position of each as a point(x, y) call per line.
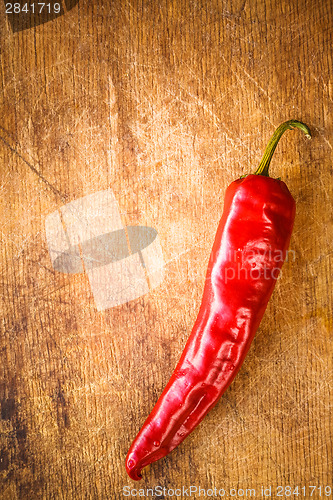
point(34, 169)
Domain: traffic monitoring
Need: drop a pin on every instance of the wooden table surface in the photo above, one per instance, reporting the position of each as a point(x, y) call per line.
point(165, 103)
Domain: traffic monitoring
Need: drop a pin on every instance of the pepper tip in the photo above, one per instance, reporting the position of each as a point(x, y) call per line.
point(133, 470)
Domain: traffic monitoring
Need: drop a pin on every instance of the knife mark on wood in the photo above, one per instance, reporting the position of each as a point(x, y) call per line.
point(34, 169)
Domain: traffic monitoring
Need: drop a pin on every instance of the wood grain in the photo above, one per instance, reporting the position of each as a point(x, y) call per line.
point(165, 103)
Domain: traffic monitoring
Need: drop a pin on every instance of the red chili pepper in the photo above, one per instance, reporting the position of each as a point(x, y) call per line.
point(249, 249)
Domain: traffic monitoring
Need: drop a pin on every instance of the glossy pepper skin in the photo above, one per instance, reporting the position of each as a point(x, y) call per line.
point(249, 249)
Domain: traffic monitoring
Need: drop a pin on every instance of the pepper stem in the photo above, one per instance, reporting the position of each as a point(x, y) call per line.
point(266, 159)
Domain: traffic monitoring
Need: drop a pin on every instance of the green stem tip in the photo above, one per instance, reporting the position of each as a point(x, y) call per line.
point(266, 159)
